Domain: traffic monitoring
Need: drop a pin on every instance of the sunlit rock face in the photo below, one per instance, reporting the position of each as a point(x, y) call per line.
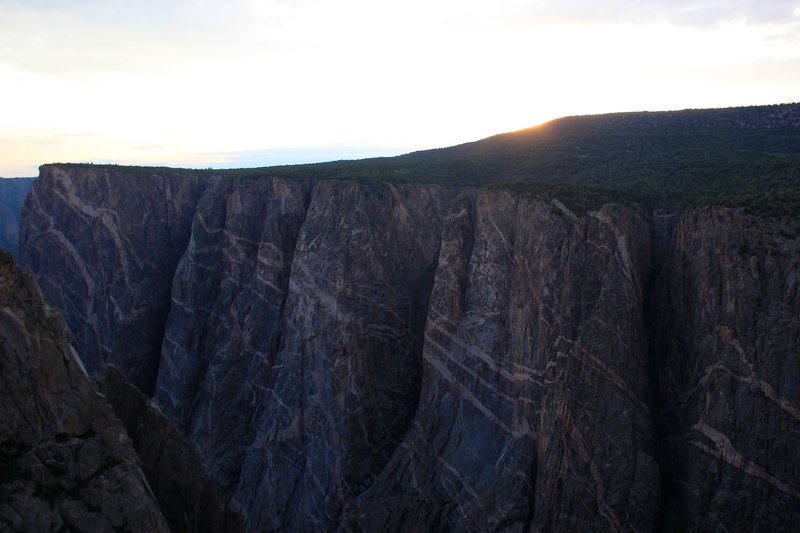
point(66, 463)
point(367, 356)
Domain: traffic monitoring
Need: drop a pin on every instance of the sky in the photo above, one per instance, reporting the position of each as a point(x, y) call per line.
point(202, 83)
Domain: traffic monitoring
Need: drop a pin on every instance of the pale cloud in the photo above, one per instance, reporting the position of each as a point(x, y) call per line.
point(714, 12)
point(199, 77)
point(76, 39)
point(680, 12)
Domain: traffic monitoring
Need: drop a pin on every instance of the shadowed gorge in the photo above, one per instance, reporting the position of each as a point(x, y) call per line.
point(66, 462)
point(12, 195)
point(371, 354)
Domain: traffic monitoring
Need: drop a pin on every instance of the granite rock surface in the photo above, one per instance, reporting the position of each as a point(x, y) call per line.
point(188, 498)
point(66, 462)
point(366, 356)
point(726, 361)
point(534, 412)
point(12, 196)
point(104, 244)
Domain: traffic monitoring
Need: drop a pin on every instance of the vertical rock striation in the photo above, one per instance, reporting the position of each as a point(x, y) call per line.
point(12, 196)
point(65, 460)
point(224, 326)
point(189, 500)
point(291, 354)
point(104, 243)
point(365, 356)
point(727, 366)
point(534, 404)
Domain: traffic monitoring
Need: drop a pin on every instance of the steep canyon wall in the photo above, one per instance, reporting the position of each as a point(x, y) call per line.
point(12, 196)
point(368, 356)
point(66, 463)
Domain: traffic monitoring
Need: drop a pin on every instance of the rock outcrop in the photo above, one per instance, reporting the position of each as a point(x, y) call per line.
point(224, 324)
point(189, 500)
point(294, 339)
point(367, 356)
point(119, 236)
point(726, 363)
point(534, 412)
point(12, 195)
point(66, 462)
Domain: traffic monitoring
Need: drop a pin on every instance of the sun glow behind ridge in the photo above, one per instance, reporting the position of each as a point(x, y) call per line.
point(201, 83)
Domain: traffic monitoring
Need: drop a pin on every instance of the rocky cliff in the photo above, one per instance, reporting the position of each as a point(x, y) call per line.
point(119, 237)
point(726, 367)
point(534, 412)
point(189, 500)
point(66, 461)
point(12, 196)
point(368, 356)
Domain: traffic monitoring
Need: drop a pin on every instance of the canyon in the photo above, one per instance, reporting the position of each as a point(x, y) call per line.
point(369, 355)
point(67, 463)
point(12, 195)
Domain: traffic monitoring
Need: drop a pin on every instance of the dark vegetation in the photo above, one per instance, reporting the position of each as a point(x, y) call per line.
point(745, 157)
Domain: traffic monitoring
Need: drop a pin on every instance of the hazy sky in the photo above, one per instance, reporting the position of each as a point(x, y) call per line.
point(255, 82)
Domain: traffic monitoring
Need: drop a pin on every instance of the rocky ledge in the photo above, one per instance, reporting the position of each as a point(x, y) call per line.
point(67, 463)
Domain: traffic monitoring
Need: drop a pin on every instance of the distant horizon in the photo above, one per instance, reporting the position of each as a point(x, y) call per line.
point(265, 82)
point(314, 154)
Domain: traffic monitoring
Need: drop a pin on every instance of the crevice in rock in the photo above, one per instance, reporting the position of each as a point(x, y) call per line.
point(262, 364)
point(662, 231)
point(188, 498)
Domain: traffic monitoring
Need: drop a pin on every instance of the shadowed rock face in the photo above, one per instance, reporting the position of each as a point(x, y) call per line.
point(416, 358)
point(12, 196)
point(534, 406)
point(119, 237)
point(727, 366)
point(65, 460)
point(295, 336)
point(342, 386)
point(188, 499)
point(224, 326)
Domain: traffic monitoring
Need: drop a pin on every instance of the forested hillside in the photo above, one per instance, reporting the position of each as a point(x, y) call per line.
point(736, 157)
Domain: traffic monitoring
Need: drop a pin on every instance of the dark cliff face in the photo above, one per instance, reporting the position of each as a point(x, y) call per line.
point(727, 372)
point(385, 357)
point(344, 383)
point(12, 196)
point(292, 350)
point(65, 460)
point(119, 237)
point(224, 324)
point(189, 500)
point(534, 407)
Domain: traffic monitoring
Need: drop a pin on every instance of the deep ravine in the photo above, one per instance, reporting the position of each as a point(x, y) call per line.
point(66, 463)
point(367, 356)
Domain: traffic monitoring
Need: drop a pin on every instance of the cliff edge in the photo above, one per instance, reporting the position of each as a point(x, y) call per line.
point(373, 356)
